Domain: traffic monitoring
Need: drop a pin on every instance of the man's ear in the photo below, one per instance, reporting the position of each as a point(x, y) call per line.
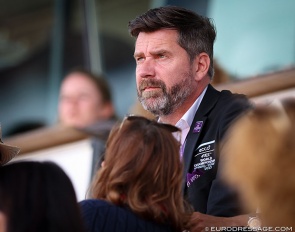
point(202, 64)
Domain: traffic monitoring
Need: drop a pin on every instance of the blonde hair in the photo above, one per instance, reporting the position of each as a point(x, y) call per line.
point(259, 157)
point(143, 171)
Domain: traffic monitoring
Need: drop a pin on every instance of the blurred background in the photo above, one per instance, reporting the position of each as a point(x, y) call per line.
point(41, 40)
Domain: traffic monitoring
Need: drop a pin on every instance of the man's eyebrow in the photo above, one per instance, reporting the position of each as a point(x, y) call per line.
point(137, 54)
point(159, 51)
point(155, 52)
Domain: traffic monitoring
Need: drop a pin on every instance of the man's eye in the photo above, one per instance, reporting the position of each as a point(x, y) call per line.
point(138, 59)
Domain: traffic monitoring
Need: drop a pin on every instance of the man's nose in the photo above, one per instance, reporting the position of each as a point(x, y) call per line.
point(146, 68)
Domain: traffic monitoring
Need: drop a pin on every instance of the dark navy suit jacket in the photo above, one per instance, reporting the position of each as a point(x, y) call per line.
point(203, 187)
point(102, 216)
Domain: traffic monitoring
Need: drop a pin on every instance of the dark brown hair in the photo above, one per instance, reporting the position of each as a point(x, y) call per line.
point(143, 171)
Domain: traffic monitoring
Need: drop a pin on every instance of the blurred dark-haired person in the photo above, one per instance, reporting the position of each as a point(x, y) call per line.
point(174, 69)
point(139, 187)
point(36, 197)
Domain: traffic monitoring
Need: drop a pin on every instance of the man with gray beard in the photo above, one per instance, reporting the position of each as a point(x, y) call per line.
point(174, 68)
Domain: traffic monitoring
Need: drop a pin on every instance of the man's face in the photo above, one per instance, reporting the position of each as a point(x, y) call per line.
point(80, 102)
point(164, 75)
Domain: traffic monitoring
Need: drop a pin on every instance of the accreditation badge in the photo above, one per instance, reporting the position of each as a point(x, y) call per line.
point(204, 160)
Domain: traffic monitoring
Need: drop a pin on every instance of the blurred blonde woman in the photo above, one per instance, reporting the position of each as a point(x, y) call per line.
point(260, 150)
point(139, 186)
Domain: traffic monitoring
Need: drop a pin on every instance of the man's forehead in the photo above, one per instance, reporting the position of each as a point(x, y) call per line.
point(156, 40)
point(159, 35)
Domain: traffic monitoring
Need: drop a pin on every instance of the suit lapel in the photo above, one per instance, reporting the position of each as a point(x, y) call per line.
point(208, 102)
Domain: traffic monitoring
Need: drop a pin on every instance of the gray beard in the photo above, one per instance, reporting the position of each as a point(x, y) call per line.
point(167, 101)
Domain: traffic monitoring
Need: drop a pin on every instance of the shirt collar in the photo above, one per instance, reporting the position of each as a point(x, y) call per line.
point(189, 115)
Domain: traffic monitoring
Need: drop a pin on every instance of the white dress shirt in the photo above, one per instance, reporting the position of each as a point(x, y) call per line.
point(187, 119)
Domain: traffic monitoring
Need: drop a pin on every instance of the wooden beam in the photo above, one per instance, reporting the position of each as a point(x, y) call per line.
point(264, 84)
point(45, 137)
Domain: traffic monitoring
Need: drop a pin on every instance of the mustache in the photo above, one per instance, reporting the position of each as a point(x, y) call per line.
point(151, 83)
